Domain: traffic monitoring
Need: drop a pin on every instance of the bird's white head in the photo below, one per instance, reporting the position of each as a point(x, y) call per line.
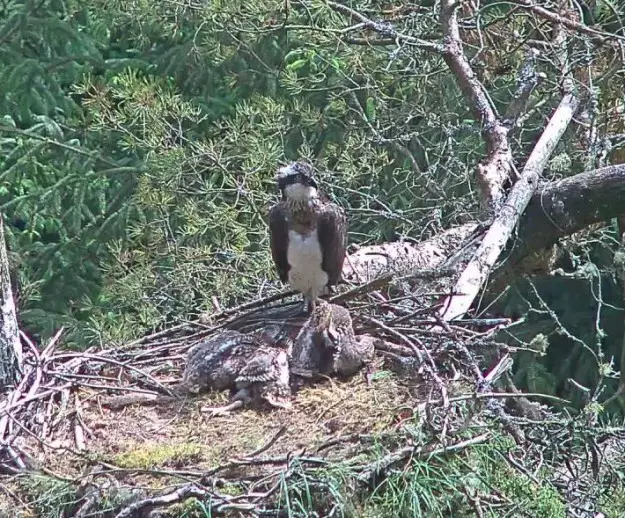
point(296, 182)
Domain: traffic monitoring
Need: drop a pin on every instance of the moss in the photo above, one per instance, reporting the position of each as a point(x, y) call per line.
point(154, 455)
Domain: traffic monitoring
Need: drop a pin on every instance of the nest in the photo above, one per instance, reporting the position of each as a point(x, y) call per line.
point(428, 397)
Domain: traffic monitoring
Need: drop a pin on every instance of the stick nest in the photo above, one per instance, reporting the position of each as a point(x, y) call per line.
point(433, 395)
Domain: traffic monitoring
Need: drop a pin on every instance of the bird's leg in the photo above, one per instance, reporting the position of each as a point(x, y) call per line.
point(222, 410)
point(309, 305)
point(303, 373)
point(238, 400)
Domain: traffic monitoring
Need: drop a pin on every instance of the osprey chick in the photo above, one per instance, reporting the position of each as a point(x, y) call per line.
point(308, 234)
point(326, 344)
point(248, 364)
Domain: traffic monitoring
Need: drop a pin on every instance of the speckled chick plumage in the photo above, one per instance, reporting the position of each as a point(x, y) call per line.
point(327, 344)
point(248, 363)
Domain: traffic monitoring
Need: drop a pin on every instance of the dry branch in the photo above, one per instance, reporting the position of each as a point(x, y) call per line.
point(178, 495)
point(567, 22)
point(478, 270)
point(404, 258)
point(556, 210)
point(496, 168)
point(383, 28)
point(564, 207)
point(10, 346)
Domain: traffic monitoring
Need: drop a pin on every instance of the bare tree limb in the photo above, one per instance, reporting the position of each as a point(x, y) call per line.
point(384, 28)
point(402, 258)
point(496, 168)
point(556, 210)
point(527, 81)
point(478, 269)
point(567, 206)
point(10, 345)
point(567, 22)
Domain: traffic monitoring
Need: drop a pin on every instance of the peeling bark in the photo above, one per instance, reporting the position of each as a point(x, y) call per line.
point(558, 209)
point(10, 345)
point(567, 206)
point(403, 258)
point(496, 168)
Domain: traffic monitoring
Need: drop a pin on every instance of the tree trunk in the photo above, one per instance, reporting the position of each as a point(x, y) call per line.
point(10, 346)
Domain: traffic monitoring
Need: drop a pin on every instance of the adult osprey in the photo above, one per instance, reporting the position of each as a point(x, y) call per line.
point(308, 234)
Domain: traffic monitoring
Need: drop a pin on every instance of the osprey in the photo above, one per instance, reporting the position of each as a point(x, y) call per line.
point(327, 344)
point(253, 366)
point(308, 234)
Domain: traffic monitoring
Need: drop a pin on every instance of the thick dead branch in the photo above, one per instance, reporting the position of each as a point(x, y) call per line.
point(10, 345)
point(558, 209)
point(477, 271)
point(564, 207)
point(403, 258)
point(496, 168)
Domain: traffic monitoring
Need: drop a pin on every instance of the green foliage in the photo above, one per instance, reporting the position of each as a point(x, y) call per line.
point(139, 142)
point(52, 498)
point(439, 486)
point(49, 497)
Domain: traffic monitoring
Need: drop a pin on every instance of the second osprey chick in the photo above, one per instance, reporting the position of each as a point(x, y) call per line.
point(308, 234)
point(326, 344)
point(247, 364)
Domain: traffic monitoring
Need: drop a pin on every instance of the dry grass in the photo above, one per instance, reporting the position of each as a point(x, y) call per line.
point(178, 436)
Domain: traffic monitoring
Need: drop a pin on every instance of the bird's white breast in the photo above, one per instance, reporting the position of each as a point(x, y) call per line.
point(305, 257)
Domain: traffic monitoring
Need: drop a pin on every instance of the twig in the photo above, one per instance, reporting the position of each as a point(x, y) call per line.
point(228, 312)
point(268, 444)
point(571, 24)
point(386, 462)
point(79, 433)
point(384, 28)
point(179, 495)
point(103, 359)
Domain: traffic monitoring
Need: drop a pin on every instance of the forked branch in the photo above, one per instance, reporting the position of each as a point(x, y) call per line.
point(478, 269)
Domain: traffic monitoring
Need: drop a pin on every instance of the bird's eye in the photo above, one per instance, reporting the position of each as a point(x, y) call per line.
point(299, 177)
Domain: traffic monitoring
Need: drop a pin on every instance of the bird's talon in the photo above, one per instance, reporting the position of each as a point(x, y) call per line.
point(215, 411)
point(222, 410)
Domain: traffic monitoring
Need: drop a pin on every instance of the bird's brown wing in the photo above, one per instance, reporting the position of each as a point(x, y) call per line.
point(279, 240)
point(260, 368)
point(332, 232)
